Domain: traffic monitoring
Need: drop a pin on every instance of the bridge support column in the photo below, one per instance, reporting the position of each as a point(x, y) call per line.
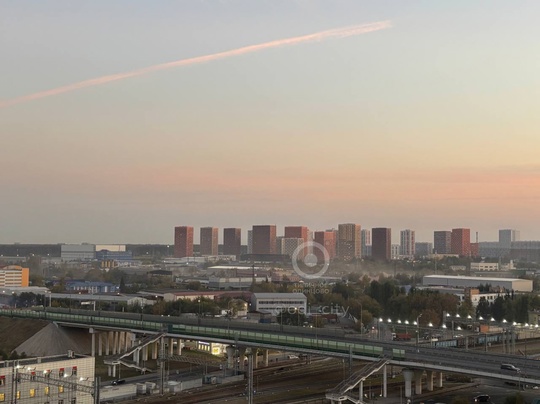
point(385, 382)
point(113, 371)
point(171, 346)
point(241, 355)
point(230, 357)
point(116, 337)
point(429, 380)
point(418, 381)
point(255, 352)
point(155, 350)
point(265, 357)
point(408, 376)
point(136, 355)
point(109, 370)
point(100, 344)
point(439, 379)
point(93, 332)
point(179, 346)
point(361, 391)
point(145, 353)
point(107, 343)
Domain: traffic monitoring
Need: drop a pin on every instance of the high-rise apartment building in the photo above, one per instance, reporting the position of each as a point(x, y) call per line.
point(250, 242)
point(381, 243)
point(328, 240)
point(183, 241)
point(407, 243)
point(507, 236)
point(232, 241)
point(461, 242)
point(288, 245)
point(423, 250)
point(442, 242)
point(349, 241)
point(209, 241)
point(298, 232)
point(264, 239)
point(394, 251)
point(365, 235)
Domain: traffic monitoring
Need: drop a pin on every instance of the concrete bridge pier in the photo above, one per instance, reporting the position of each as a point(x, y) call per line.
point(100, 344)
point(361, 391)
point(116, 342)
point(241, 355)
point(179, 343)
point(230, 357)
point(107, 337)
point(418, 382)
point(136, 356)
point(93, 333)
point(439, 379)
point(155, 350)
point(171, 346)
point(145, 353)
point(265, 357)
point(429, 380)
point(408, 376)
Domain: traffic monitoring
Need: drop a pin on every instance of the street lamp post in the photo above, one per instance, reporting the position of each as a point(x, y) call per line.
point(417, 322)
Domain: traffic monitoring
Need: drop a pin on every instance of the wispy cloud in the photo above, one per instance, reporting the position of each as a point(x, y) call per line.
point(318, 36)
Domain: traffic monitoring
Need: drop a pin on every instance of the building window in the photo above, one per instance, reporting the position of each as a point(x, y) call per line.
point(18, 395)
point(61, 372)
point(33, 376)
point(60, 389)
point(73, 400)
point(47, 374)
point(2, 397)
point(60, 401)
point(32, 392)
point(2, 381)
point(74, 371)
point(46, 390)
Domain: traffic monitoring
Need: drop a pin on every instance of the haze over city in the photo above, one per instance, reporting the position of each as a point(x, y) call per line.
point(427, 121)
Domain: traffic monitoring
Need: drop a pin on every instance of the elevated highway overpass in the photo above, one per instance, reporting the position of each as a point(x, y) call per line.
point(337, 343)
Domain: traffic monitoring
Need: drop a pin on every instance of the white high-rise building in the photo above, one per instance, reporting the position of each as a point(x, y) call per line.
point(365, 236)
point(407, 243)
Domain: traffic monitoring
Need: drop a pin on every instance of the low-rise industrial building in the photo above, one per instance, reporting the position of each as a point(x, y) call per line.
point(277, 302)
point(503, 284)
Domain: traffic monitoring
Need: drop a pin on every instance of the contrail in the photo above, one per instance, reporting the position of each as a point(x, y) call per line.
point(318, 36)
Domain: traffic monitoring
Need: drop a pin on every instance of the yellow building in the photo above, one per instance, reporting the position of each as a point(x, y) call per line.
point(14, 276)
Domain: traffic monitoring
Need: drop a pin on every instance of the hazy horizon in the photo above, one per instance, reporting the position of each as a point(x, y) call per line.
point(120, 121)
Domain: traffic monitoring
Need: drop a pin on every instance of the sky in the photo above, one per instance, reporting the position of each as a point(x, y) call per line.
point(429, 121)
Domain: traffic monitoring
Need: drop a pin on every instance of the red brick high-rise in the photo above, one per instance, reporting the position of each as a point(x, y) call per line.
point(209, 241)
point(461, 242)
point(232, 242)
point(328, 240)
point(264, 239)
point(381, 243)
point(183, 241)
